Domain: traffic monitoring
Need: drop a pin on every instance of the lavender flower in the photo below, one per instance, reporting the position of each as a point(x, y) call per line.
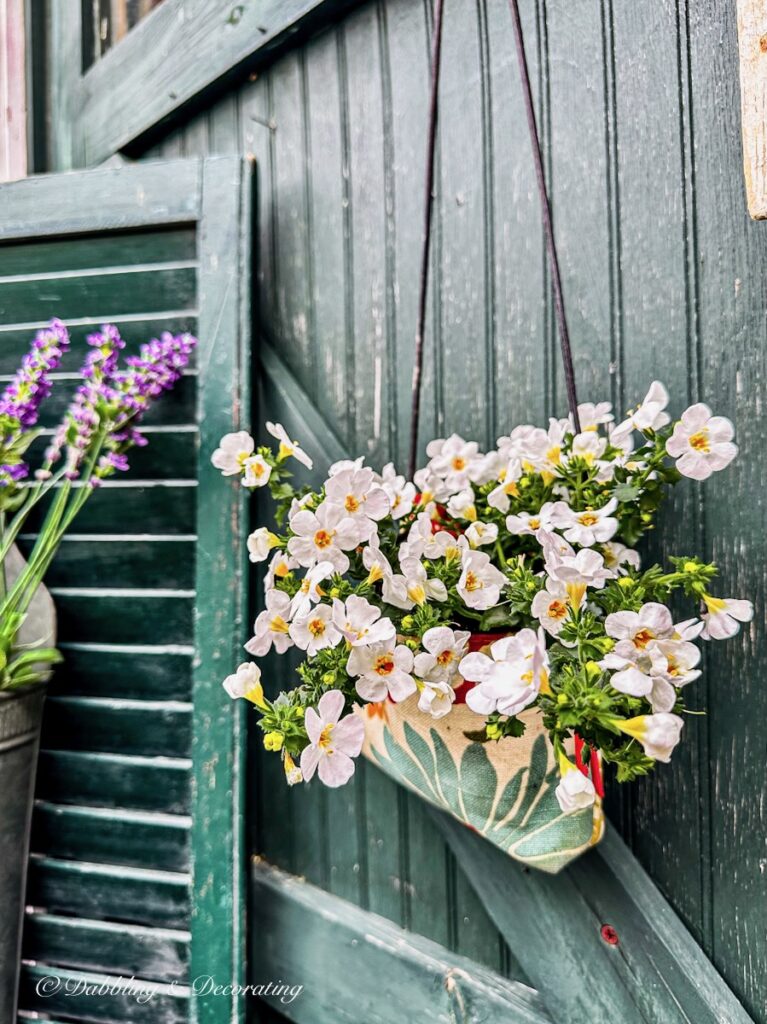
point(22, 397)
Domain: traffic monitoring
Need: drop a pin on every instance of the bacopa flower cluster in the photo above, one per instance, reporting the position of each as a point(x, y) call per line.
point(385, 582)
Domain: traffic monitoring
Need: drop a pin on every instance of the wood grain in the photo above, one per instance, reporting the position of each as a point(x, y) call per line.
point(752, 48)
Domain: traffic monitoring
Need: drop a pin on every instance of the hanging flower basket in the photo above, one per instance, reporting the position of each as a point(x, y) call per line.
point(484, 633)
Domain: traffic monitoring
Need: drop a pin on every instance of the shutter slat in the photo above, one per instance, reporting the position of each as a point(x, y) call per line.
point(135, 895)
point(132, 839)
point(137, 291)
point(124, 617)
point(121, 248)
point(140, 507)
point(125, 561)
point(115, 780)
point(150, 728)
point(160, 954)
point(166, 447)
point(84, 1000)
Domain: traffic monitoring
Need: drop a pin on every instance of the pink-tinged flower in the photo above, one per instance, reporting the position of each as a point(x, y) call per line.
point(333, 741)
point(401, 492)
point(361, 622)
point(551, 606)
point(652, 622)
point(649, 415)
point(315, 630)
point(375, 561)
point(232, 452)
point(323, 536)
point(658, 734)
point(591, 526)
point(310, 591)
point(701, 443)
point(436, 698)
point(527, 524)
point(272, 626)
point(383, 670)
point(246, 683)
point(453, 460)
point(358, 496)
point(575, 790)
point(443, 650)
point(511, 678)
point(480, 583)
point(288, 447)
point(723, 616)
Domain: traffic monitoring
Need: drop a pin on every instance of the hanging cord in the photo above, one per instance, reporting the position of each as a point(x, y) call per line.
point(548, 227)
point(436, 59)
point(551, 248)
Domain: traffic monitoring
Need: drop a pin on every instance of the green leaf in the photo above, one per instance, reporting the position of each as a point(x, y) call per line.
point(509, 798)
point(447, 773)
point(479, 783)
point(626, 493)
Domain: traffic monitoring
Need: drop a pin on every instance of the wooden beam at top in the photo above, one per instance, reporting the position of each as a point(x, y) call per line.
point(752, 44)
point(182, 49)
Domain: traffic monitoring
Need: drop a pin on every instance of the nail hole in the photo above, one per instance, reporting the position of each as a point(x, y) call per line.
point(610, 935)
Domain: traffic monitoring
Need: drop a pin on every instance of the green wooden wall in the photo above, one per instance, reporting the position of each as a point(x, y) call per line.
point(664, 277)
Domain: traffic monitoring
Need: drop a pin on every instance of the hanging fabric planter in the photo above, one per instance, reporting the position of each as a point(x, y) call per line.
point(481, 629)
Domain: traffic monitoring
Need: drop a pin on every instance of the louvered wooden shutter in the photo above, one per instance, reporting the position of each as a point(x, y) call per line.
point(137, 817)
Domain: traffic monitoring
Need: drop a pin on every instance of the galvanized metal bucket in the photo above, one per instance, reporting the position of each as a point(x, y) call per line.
point(20, 717)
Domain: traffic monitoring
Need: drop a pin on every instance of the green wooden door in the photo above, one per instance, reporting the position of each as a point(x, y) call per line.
point(136, 849)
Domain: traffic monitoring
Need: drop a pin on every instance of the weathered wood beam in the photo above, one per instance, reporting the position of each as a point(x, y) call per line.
point(13, 93)
point(356, 966)
point(646, 969)
point(752, 44)
point(183, 48)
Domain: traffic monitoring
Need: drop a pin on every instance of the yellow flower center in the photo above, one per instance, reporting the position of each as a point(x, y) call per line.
point(700, 441)
point(557, 609)
point(588, 519)
point(384, 665)
point(458, 464)
point(416, 593)
point(445, 657)
point(714, 604)
point(511, 489)
point(242, 458)
point(576, 592)
point(351, 504)
point(305, 585)
point(534, 523)
point(316, 627)
point(325, 741)
point(473, 582)
point(554, 455)
point(643, 638)
point(323, 538)
point(258, 469)
point(527, 677)
point(286, 449)
point(278, 625)
point(281, 569)
point(375, 574)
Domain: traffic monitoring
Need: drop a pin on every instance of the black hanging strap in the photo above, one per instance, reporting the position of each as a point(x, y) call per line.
point(551, 248)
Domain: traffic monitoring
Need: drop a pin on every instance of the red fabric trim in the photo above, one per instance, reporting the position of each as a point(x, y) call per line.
point(594, 767)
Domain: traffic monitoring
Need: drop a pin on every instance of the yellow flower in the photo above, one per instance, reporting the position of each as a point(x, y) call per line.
point(273, 741)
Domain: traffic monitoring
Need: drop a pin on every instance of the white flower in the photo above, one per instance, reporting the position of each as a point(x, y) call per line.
point(271, 627)
point(401, 493)
point(332, 743)
point(361, 622)
point(436, 699)
point(658, 734)
point(310, 591)
point(422, 540)
point(649, 415)
point(675, 661)
point(453, 460)
point(246, 682)
point(617, 556)
point(575, 790)
point(412, 586)
point(256, 472)
point(510, 679)
point(577, 572)
point(344, 464)
point(260, 543)
point(701, 443)
point(357, 496)
point(592, 416)
point(461, 505)
point(592, 526)
point(315, 630)
point(723, 616)
point(376, 562)
point(383, 670)
point(323, 536)
point(480, 534)
point(551, 606)
point(500, 497)
point(431, 486)
point(629, 677)
point(443, 650)
point(232, 451)
point(288, 447)
point(480, 583)
point(652, 622)
point(588, 446)
point(526, 524)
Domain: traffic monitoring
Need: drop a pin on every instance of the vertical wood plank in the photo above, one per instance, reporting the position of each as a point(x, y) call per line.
point(13, 99)
point(64, 61)
point(752, 47)
point(218, 891)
